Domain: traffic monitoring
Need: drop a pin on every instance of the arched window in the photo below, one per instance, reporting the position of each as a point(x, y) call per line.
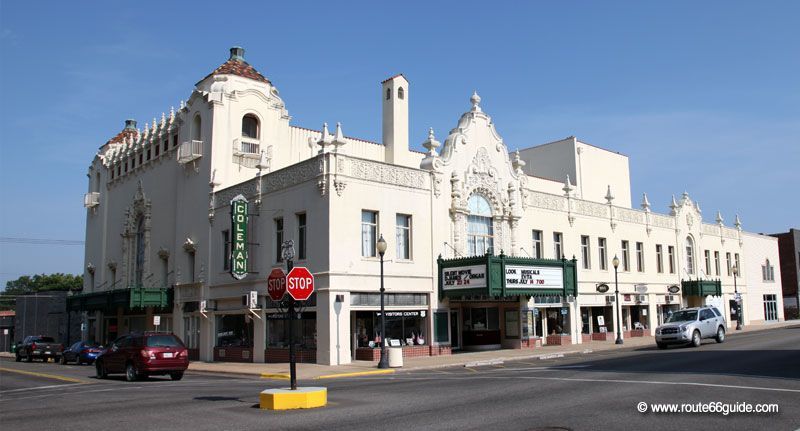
point(480, 232)
point(401, 94)
point(388, 93)
point(197, 128)
point(689, 255)
point(250, 127)
point(139, 251)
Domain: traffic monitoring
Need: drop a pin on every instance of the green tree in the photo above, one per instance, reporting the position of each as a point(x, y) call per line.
point(38, 283)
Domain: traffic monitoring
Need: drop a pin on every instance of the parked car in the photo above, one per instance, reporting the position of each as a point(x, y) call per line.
point(82, 352)
point(141, 355)
point(38, 347)
point(690, 326)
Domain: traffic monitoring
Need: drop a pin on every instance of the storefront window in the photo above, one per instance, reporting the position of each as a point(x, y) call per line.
point(234, 330)
point(482, 318)
point(304, 330)
point(406, 326)
point(512, 323)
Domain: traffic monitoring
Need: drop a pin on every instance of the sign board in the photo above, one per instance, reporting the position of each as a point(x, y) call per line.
point(156, 320)
point(5, 331)
point(601, 321)
point(674, 289)
point(300, 283)
point(640, 288)
point(276, 284)
point(602, 288)
point(464, 277)
point(239, 219)
point(252, 302)
point(563, 311)
point(534, 277)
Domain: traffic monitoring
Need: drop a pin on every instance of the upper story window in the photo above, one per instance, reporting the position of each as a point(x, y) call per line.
point(768, 272)
point(369, 233)
point(558, 249)
point(480, 231)
point(585, 254)
point(659, 258)
point(640, 257)
point(716, 262)
point(401, 94)
point(388, 93)
point(197, 128)
point(250, 127)
point(626, 256)
point(671, 258)
point(279, 239)
point(403, 236)
point(301, 236)
point(537, 244)
point(601, 250)
point(689, 255)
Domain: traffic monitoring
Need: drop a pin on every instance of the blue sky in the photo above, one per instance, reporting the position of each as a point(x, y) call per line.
point(702, 96)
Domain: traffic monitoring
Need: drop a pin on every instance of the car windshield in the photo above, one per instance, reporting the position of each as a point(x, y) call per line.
point(163, 341)
point(683, 316)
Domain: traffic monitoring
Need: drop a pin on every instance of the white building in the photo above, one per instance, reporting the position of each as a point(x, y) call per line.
point(158, 236)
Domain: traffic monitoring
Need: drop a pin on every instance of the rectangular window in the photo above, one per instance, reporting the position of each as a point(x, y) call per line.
point(301, 236)
point(149, 153)
point(536, 252)
point(158, 149)
point(558, 249)
point(659, 258)
point(369, 233)
point(279, 239)
point(166, 146)
point(140, 158)
point(403, 236)
point(738, 264)
point(716, 262)
point(601, 245)
point(640, 257)
point(671, 258)
point(728, 258)
point(174, 141)
point(708, 262)
point(585, 256)
point(626, 256)
point(226, 250)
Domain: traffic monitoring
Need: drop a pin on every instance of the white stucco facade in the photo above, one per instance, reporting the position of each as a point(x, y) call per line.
point(160, 219)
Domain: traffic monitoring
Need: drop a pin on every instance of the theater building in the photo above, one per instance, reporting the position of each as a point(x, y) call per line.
point(487, 248)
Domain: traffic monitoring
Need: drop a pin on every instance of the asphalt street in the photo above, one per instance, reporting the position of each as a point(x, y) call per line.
point(581, 392)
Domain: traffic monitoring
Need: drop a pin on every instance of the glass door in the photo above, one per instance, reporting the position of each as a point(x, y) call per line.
point(455, 334)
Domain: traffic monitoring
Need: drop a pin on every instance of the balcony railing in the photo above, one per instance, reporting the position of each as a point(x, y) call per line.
point(249, 147)
point(190, 151)
point(91, 199)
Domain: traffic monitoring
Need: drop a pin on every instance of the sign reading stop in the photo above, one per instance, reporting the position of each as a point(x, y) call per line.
point(300, 283)
point(276, 284)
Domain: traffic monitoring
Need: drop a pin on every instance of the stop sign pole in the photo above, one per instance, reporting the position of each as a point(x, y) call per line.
point(299, 286)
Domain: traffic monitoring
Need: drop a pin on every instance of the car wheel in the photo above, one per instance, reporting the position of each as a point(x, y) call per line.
point(177, 375)
point(696, 338)
point(101, 370)
point(720, 335)
point(130, 373)
point(661, 345)
point(63, 360)
point(17, 357)
point(28, 358)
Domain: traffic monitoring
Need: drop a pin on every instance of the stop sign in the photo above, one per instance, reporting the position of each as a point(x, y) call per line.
point(300, 283)
point(276, 284)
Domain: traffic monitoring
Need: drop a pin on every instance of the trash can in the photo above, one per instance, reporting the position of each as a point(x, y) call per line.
point(395, 357)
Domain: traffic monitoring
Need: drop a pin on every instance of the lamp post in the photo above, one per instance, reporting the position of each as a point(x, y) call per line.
point(384, 362)
point(735, 270)
point(615, 262)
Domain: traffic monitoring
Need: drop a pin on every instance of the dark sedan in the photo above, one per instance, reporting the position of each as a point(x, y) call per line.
point(82, 352)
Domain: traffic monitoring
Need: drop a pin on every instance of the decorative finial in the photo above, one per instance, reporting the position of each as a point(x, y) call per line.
point(516, 161)
point(737, 222)
point(431, 144)
point(697, 206)
point(567, 186)
point(609, 196)
point(645, 203)
point(719, 218)
point(476, 100)
point(674, 206)
point(182, 105)
point(171, 114)
point(325, 139)
point(338, 136)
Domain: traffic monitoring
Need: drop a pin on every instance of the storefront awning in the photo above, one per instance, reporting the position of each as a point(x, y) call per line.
point(701, 287)
point(504, 276)
point(110, 300)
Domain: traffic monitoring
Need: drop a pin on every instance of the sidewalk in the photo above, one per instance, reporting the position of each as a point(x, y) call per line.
point(355, 368)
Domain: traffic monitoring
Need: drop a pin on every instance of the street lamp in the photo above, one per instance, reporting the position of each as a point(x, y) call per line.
point(735, 270)
point(384, 362)
point(615, 262)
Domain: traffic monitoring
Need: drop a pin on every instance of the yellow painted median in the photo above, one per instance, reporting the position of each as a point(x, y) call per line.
point(287, 399)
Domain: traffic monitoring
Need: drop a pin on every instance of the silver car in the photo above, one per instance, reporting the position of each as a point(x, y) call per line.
point(690, 326)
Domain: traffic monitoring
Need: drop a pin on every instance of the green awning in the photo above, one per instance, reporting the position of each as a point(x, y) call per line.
point(503, 276)
point(110, 300)
point(701, 287)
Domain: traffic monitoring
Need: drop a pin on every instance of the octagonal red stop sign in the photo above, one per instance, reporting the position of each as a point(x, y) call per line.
point(300, 283)
point(276, 284)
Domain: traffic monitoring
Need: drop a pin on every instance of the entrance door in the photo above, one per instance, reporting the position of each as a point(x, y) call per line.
point(770, 307)
point(455, 334)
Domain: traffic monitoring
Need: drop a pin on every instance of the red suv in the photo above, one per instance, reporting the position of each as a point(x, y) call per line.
point(142, 355)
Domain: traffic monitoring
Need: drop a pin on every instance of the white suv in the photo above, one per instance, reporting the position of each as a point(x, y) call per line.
point(690, 326)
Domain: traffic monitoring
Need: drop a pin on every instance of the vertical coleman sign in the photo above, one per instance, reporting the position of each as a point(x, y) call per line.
point(239, 237)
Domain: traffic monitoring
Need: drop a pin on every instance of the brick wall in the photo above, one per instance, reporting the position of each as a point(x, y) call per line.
point(276, 355)
point(602, 336)
point(233, 354)
point(558, 340)
point(636, 333)
point(530, 343)
point(370, 354)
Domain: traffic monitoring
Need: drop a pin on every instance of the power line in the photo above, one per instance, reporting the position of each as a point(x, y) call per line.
point(39, 241)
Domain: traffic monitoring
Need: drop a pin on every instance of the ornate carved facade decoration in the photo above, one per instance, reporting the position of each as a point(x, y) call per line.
point(139, 210)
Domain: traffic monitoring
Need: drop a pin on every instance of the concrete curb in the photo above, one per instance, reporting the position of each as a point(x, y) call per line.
point(354, 374)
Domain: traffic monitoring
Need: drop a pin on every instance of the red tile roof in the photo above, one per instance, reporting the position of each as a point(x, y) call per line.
point(239, 68)
point(124, 134)
point(393, 77)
